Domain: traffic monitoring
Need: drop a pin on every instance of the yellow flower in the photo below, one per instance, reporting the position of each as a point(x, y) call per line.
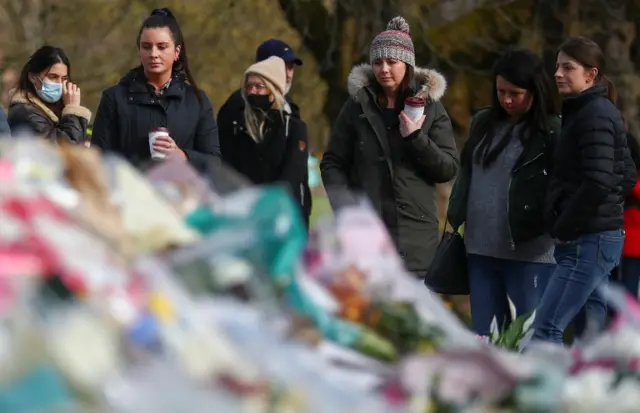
point(161, 307)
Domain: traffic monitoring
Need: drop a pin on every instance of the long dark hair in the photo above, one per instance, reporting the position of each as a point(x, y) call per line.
point(524, 69)
point(41, 60)
point(164, 18)
point(587, 52)
point(403, 91)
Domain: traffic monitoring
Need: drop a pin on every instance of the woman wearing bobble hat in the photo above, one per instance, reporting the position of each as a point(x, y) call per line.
point(393, 141)
point(268, 145)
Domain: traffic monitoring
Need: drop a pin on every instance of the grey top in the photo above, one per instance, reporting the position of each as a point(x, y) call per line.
point(486, 231)
point(4, 125)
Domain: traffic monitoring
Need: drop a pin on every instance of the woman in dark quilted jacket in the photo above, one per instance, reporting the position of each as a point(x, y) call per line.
point(592, 176)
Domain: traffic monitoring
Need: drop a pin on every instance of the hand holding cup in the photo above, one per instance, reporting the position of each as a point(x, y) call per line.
point(412, 117)
point(161, 144)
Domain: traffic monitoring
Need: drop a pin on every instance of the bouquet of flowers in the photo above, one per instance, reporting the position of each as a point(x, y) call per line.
point(354, 263)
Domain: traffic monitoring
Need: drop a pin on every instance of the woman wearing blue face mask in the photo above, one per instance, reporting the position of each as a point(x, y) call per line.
point(45, 103)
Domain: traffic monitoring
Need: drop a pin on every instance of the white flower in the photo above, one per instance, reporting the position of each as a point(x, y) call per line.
point(591, 392)
point(586, 392)
point(621, 345)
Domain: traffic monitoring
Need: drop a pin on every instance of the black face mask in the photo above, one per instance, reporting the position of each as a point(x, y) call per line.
point(261, 102)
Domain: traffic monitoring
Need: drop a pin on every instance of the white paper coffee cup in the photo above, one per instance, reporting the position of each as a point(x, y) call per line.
point(414, 108)
point(153, 135)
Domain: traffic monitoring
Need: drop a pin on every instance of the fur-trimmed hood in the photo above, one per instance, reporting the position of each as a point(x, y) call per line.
point(20, 97)
point(432, 84)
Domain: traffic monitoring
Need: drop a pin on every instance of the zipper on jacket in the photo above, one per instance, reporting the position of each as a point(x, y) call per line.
point(511, 243)
point(527, 163)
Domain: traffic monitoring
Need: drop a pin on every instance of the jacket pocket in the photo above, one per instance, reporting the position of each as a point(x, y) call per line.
point(527, 203)
point(422, 201)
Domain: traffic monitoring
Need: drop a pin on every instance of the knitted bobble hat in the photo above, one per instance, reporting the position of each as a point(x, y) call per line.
point(273, 69)
point(394, 43)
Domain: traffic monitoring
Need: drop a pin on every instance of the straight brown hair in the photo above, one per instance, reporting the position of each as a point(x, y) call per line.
point(587, 52)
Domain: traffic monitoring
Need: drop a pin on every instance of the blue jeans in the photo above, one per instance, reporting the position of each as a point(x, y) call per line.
point(583, 265)
point(591, 314)
point(630, 275)
point(492, 280)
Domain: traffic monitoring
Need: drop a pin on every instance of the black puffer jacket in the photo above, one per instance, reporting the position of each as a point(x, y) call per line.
point(593, 171)
point(130, 109)
point(28, 115)
point(281, 157)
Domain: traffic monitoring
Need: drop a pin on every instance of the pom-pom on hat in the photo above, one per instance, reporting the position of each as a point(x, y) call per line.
point(394, 43)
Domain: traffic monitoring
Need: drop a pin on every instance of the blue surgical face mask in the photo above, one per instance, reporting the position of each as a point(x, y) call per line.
point(50, 92)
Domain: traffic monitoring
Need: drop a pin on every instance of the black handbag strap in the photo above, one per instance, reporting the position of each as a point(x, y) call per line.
point(444, 230)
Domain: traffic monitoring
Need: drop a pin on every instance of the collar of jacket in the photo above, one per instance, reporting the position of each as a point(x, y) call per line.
point(294, 109)
point(532, 148)
point(430, 84)
point(21, 97)
point(572, 104)
point(136, 82)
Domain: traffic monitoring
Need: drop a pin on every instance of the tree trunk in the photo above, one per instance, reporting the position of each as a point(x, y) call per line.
point(338, 35)
point(549, 23)
point(620, 34)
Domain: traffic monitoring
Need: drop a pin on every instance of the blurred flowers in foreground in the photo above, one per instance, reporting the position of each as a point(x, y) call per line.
point(162, 292)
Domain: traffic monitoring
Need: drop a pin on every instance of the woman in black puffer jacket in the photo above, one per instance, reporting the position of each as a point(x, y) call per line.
point(593, 175)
